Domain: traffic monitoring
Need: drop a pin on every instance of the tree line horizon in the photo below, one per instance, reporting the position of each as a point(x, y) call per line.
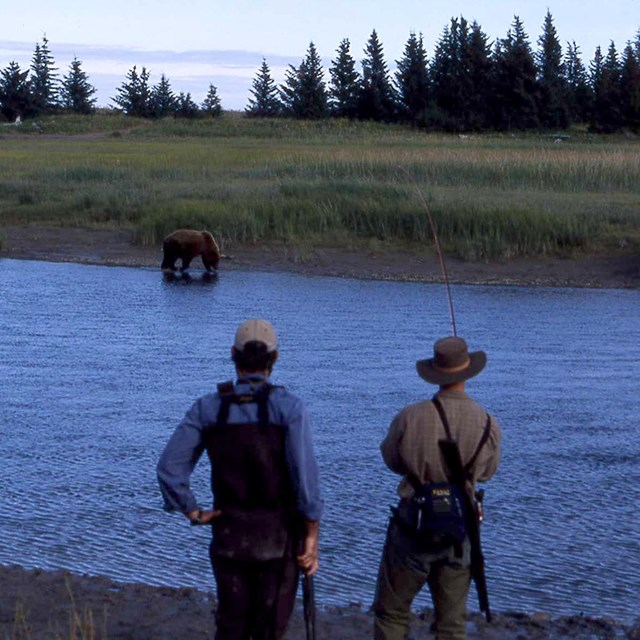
point(469, 84)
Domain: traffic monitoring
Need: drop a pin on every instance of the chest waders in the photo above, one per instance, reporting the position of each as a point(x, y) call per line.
point(250, 482)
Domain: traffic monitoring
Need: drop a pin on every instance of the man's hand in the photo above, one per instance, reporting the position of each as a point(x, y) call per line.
point(200, 516)
point(308, 559)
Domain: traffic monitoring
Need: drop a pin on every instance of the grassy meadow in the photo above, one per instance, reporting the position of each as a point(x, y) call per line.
point(325, 183)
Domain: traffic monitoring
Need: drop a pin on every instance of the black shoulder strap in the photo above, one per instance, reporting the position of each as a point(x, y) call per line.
point(483, 440)
point(226, 391)
point(226, 388)
point(443, 416)
point(262, 395)
point(447, 428)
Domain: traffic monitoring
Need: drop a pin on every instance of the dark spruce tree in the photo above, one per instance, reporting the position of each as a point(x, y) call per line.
point(76, 92)
point(265, 102)
point(479, 65)
point(607, 112)
point(42, 81)
point(461, 76)
point(15, 97)
point(344, 85)
point(630, 89)
point(412, 82)
point(579, 94)
point(303, 93)
point(553, 110)
point(595, 79)
point(212, 105)
point(450, 77)
point(514, 100)
point(595, 67)
point(134, 95)
point(185, 107)
point(162, 100)
point(377, 99)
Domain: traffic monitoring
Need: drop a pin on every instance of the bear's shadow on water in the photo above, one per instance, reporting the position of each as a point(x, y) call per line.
point(206, 278)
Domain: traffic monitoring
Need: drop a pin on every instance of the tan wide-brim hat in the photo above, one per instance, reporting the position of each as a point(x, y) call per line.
point(451, 362)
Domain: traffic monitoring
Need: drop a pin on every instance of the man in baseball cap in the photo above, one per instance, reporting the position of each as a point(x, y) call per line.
point(265, 484)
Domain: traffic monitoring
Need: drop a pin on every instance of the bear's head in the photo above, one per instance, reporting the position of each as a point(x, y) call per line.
point(211, 252)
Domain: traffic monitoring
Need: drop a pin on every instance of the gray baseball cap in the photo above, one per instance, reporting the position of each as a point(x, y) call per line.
point(256, 330)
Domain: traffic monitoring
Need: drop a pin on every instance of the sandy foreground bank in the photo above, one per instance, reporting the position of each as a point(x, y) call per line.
point(116, 247)
point(43, 605)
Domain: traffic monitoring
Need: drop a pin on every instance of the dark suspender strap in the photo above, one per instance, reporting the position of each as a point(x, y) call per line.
point(443, 416)
point(226, 388)
point(226, 392)
point(263, 405)
point(483, 439)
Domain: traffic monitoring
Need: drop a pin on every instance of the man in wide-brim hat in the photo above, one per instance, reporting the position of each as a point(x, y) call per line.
point(411, 450)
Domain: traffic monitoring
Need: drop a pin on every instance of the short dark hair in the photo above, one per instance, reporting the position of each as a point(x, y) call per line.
point(254, 357)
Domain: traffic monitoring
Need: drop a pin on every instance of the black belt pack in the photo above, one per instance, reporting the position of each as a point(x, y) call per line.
point(435, 514)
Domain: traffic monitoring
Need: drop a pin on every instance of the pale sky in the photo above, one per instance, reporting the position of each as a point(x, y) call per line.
point(196, 43)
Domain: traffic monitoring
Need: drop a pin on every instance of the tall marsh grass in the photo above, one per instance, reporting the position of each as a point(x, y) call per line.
point(315, 183)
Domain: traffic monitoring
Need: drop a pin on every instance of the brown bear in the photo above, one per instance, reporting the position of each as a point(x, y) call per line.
point(186, 244)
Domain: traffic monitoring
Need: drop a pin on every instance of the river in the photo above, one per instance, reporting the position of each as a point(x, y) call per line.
point(99, 364)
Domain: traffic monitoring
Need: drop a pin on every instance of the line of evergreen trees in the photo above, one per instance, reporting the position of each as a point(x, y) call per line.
point(470, 84)
point(38, 91)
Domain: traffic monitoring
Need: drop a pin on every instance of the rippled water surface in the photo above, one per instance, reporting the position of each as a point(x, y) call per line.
point(98, 365)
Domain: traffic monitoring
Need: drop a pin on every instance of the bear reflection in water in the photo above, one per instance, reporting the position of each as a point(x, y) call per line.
point(206, 278)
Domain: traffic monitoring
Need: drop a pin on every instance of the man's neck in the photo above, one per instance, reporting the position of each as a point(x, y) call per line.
point(458, 386)
point(249, 374)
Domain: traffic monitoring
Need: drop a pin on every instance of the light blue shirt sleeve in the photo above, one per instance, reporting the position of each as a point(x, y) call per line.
point(301, 459)
point(178, 461)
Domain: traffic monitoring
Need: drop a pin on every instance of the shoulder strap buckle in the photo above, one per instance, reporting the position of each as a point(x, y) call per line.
point(226, 388)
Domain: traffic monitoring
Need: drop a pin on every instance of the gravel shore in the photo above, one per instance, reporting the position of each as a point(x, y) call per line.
point(58, 605)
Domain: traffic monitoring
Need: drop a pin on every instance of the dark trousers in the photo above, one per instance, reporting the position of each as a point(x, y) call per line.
point(255, 598)
point(405, 568)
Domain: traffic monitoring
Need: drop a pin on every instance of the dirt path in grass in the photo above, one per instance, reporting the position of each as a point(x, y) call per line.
point(116, 247)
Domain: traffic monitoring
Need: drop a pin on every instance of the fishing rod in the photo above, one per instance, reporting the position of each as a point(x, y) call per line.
point(436, 241)
point(452, 453)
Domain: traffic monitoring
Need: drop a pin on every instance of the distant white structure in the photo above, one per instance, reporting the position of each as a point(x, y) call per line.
point(16, 123)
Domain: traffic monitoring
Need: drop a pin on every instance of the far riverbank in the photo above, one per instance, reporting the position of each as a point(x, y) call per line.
point(116, 247)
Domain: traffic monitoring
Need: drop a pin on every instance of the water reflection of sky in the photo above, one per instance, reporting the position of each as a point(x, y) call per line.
point(98, 364)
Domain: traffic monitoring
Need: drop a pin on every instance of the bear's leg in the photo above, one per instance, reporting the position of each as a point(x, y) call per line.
point(185, 264)
point(171, 252)
point(168, 262)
